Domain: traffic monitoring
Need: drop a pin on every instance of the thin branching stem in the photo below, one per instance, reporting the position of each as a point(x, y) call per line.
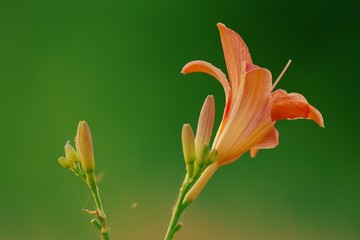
point(101, 216)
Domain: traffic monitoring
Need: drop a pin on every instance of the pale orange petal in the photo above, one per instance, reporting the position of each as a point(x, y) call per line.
point(235, 52)
point(205, 67)
point(316, 116)
point(249, 120)
point(293, 106)
point(270, 141)
point(250, 66)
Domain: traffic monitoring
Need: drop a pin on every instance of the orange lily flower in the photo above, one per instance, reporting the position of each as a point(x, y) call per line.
point(251, 108)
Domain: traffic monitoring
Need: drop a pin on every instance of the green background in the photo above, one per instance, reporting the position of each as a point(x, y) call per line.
point(116, 64)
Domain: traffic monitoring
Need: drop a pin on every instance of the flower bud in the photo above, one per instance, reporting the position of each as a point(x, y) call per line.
point(64, 162)
point(188, 144)
point(85, 148)
point(205, 123)
point(70, 152)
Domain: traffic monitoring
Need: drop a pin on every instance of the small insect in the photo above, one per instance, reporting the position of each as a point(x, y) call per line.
point(134, 205)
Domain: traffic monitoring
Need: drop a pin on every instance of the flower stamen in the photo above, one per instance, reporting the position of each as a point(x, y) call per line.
point(281, 75)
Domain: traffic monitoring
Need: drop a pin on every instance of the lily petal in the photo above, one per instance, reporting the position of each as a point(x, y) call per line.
point(270, 141)
point(249, 122)
point(235, 52)
point(316, 116)
point(293, 106)
point(205, 67)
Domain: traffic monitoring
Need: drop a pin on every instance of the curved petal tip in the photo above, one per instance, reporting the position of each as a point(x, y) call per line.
point(220, 25)
point(316, 116)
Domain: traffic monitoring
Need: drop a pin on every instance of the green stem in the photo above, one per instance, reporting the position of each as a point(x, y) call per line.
point(174, 225)
point(104, 232)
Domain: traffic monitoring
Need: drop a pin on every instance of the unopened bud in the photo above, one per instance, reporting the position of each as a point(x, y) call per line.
point(85, 148)
point(64, 162)
point(68, 163)
point(206, 122)
point(70, 152)
point(188, 144)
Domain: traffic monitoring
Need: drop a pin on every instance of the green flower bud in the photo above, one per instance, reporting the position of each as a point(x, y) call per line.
point(64, 162)
point(188, 145)
point(70, 152)
point(68, 163)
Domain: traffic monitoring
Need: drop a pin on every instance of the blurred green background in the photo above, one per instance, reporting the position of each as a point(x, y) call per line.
point(116, 64)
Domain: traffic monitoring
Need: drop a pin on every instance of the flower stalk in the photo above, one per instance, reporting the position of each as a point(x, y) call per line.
point(175, 225)
point(81, 162)
point(197, 156)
